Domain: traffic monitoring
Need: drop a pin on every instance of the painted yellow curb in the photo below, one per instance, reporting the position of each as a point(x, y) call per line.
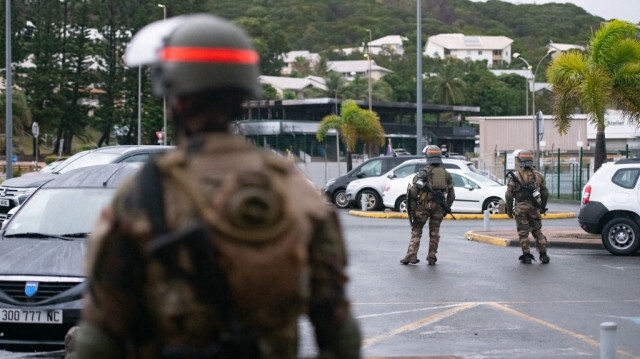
point(486, 239)
point(377, 214)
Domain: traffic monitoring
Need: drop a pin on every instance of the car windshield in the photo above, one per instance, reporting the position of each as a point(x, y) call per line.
point(88, 159)
point(482, 180)
point(68, 212)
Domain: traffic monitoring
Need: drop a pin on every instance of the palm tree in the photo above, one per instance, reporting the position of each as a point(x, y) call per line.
point(448, 86)
point(353, 124)
point(608, 75)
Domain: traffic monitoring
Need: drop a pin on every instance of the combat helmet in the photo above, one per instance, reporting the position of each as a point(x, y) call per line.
point(195, 53)
point(433, 153)
point(525, 158)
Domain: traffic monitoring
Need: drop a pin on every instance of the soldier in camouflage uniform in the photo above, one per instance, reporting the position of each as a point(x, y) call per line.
point(526, 197)
point(422, 206)
point(278, 246)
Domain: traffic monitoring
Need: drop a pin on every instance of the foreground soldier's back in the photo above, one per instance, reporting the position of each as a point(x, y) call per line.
point(215, 249)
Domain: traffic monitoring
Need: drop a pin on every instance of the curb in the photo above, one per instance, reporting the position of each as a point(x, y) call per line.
point(481, 238)
point(377, 214)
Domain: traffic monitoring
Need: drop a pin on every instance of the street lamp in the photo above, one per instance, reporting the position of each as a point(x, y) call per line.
point(526, 87)
point(369, 57)
point(536, 131)
point(164, 98)
point(8, 88)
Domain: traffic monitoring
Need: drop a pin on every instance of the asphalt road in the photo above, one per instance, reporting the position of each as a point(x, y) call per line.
point(480, 302)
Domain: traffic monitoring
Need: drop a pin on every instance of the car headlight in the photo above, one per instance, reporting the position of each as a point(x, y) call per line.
point(26, 194)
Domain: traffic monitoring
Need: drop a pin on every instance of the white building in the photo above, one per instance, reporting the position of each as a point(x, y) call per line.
point(387, 44)
point(619, 134)
point(297, 85)
point(350, 68)
point(493, 49)
point(310, 58)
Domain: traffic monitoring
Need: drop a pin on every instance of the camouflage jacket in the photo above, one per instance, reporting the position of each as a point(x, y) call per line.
point(145, 307)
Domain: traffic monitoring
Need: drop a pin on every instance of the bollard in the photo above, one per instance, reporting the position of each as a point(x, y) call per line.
point(485, 222)
point(363, 202)
point(608, 340)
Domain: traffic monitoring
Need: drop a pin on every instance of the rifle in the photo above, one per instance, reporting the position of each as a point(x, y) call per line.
point(411, 211)
point(422, 183)
point(528, 192)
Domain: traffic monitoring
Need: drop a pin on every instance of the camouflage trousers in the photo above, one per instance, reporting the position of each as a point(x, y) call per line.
point(529, 221)
point(433, 214)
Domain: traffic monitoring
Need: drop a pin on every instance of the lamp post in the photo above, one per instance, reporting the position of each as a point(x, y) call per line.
point(536, 131)
point(164, 98)
point(369, 57)
point(526, 87)
point(419, 77)
point(8, 102)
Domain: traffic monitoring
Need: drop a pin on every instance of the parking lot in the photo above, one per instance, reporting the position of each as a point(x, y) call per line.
point(480, 302)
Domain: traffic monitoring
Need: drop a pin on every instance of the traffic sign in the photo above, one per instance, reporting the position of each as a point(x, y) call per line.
point(160, 135)
point(14, 159)
point(35, 129)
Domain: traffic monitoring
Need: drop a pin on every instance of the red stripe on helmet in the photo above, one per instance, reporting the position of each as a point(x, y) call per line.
point(525, 155)
point(205, 54)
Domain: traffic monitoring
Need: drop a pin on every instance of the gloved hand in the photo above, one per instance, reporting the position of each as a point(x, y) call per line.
point(509, 213)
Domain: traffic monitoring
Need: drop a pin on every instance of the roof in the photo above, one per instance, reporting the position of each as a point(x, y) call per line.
point(526, 73)
point(109, 176)
point(293, 83)
point(462, 42)
point(565, 47)
point(291, 56)
point(132, 148)
point(389, 40)
point(355, 66)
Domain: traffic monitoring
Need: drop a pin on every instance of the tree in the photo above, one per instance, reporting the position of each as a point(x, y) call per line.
point(608, 75)
point(354, 124)
point(21, 119)
point(448, 87)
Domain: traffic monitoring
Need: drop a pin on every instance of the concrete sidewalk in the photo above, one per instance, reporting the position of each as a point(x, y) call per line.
point(570, 237)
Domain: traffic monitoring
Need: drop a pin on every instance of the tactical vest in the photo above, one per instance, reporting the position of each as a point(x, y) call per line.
point(530, 180)
point(261, 235)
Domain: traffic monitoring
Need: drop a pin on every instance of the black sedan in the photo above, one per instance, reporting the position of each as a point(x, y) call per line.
point(42, 250)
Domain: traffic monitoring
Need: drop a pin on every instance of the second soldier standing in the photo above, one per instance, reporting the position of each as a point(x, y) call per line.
point(423, 206)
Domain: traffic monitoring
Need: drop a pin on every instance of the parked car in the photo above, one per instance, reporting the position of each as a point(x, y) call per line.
point(373, 187)
point(15, 190)
point(42, 251)
point(335, 188)
point(475, 193)
point(611, 206)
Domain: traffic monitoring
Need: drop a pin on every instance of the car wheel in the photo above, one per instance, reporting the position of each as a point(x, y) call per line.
point(340, 199)
point(621, 236)
point(492, 204)
point(401, 204)
point(373, 202)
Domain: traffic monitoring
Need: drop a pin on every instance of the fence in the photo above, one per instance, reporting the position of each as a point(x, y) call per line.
point(565, 173)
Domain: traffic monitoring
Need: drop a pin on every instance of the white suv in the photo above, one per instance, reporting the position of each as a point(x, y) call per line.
point(611, 206)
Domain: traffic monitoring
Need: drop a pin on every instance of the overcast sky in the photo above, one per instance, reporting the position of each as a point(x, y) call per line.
point(628, 10)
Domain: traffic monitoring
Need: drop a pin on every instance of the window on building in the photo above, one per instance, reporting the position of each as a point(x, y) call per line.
point(480, 52)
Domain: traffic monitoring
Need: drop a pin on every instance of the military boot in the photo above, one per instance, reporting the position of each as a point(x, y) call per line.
point(544, 258)
point(526, 258)
point(410, 259)
point(432, 259)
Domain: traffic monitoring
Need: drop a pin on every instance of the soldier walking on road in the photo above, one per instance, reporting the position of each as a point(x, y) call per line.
point(426, 198)
point(526, 197)
point(215, 249)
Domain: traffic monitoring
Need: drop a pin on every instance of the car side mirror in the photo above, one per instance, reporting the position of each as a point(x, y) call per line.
point(361, 175)
point(391, 175)
point(468, 186)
